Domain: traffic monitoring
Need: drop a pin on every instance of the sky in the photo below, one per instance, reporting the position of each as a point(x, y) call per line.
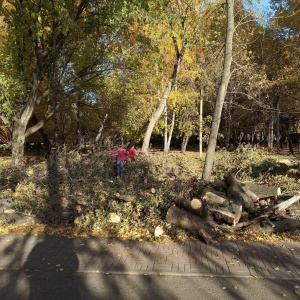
point(262, 9)
point(264, 3)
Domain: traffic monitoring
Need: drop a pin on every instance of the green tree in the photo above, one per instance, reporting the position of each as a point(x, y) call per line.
point(77, 41)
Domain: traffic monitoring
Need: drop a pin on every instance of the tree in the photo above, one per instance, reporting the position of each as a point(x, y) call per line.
point(76, 40)
point(184, 20)
point(221, 93)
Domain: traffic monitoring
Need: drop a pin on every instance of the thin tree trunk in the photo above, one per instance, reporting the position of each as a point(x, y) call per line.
point(156, 115)
point(221, 93)
point(201, 123)
point(185, 141)
point(271, 133)
point(78, 126)
point(171, 130)
point(166, 132)
point(278, 124)
point(163, 101)
point(97, 139)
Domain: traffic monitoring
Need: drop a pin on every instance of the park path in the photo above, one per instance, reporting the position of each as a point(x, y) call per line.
point(117, 256)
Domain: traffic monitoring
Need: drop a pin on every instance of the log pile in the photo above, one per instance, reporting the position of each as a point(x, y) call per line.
point(235, 209)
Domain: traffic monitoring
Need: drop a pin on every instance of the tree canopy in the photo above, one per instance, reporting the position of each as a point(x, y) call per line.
point(72, 69)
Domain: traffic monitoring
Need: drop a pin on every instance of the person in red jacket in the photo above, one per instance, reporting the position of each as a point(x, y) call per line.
point(131, 151)
point(121, 157)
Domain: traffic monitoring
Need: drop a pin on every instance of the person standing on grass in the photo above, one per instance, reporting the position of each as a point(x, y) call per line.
point(121, 157)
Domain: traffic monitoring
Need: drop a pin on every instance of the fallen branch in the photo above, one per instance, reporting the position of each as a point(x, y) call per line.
point(190, 223)
point(236, 193)
point(285, 204)
point(194, 206)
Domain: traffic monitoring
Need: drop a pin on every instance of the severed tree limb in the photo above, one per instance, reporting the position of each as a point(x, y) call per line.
point(212, 198)
point(194, 206)
point(247, 223)
point(285, 204)
point(191, 223)
point(236, 193)
point(251, 194)
point(285, 225)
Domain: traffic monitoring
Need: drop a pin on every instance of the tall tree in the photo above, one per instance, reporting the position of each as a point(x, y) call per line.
point(209, 159)
point(183, 20)
point(71, 37)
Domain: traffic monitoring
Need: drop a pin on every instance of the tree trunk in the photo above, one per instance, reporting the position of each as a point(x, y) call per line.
point(18, 137)
point(185, 141)
point(271, 133)
point(97, 139)
point(166, 150)
point(200, 123)
point(18, 140)
point(221, 93)
point(290, 143)
point(194, 206)
point(79, 137)
point(171, 130)
point(163, 101)
point(278, 124)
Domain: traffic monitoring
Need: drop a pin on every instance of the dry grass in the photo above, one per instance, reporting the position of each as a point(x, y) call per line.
point(75, 195)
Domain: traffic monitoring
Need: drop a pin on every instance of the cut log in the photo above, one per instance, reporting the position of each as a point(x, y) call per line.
point(285, 204)
point(250, 193)
point(227, 216)
point(236, 193)
point(126, 198)
point(285, 225)
point(238, 214)
point(191, 223)
point(212, 198)
point(194, 206)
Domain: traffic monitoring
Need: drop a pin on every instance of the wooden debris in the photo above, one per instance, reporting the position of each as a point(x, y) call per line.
point(285, 204)
point(191, 223)
point(212, 197)
point(236, 193)
point(202, 217)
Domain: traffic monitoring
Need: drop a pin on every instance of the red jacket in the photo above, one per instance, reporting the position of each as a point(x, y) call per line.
point(122, 154)
point(132, 152)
